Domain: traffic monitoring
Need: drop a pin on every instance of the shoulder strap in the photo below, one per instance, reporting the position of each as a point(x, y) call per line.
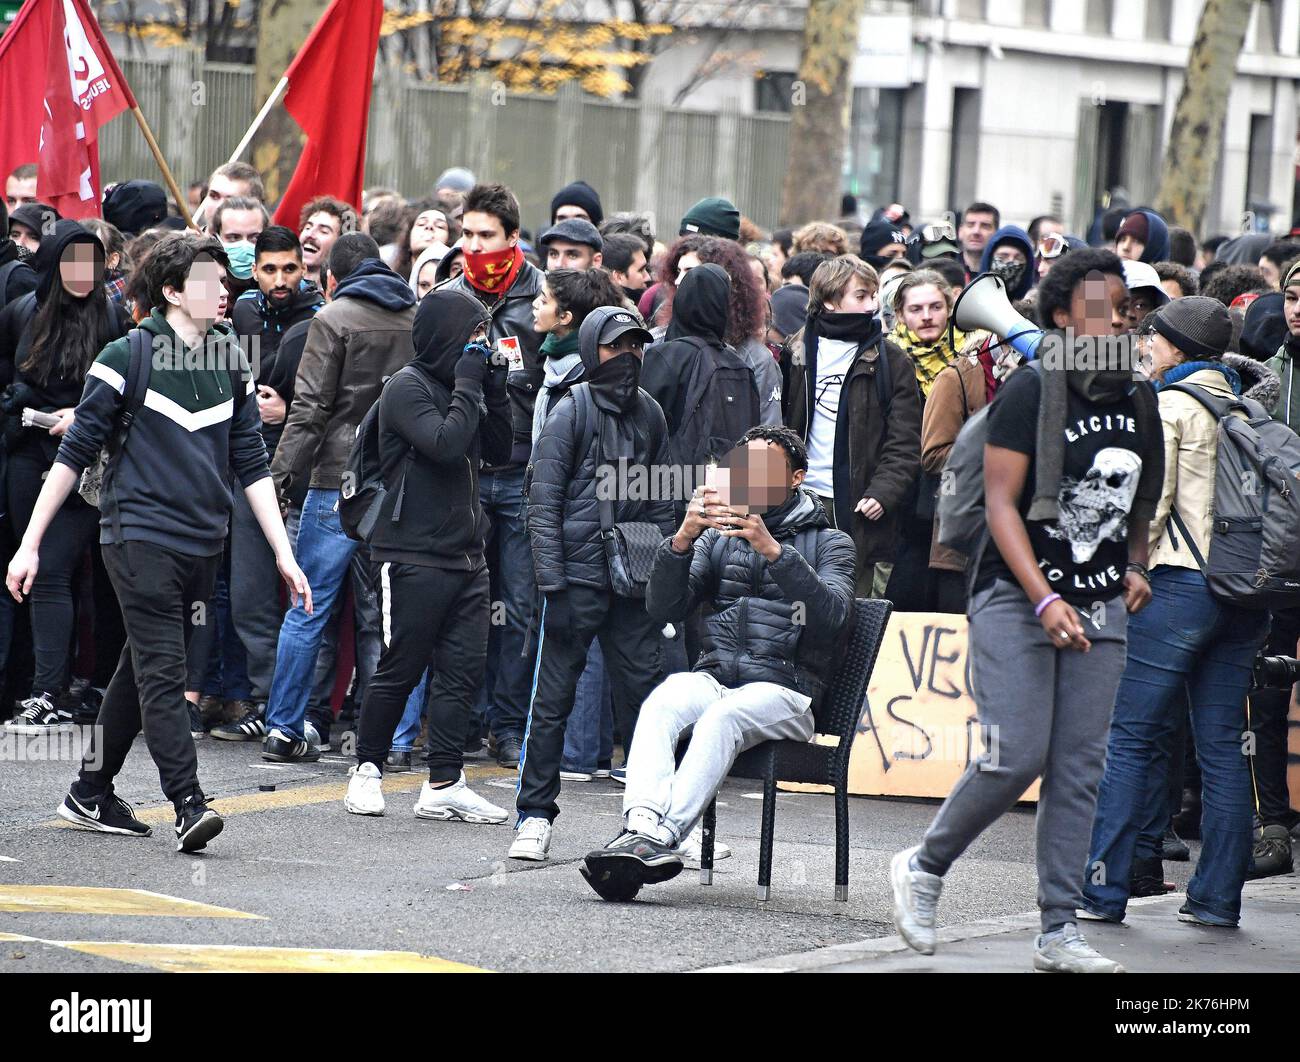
point(715, 554)
point(6, 271)
point(138, 370)
point(586, 424)
point(1220, 407)
point(1191, 542)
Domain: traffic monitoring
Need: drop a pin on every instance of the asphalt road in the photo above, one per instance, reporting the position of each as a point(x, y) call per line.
point(315, 885)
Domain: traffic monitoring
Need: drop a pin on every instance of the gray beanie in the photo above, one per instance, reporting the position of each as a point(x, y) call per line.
point(458, 179)
point(1199, 326)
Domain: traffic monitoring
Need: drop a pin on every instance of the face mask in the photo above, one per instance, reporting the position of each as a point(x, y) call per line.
point(240, 256)
point(616, 381)
point(1010, 272)
point(493, 271)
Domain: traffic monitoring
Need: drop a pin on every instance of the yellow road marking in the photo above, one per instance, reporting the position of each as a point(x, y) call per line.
point(70, 899)
point(232, 958)
point(295, 796)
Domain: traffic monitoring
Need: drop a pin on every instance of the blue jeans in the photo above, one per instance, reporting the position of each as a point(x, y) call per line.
point(324, 553)
point(227, 670)
point(589, 733)
point(1185, 637)
point(507, 686)
point(409, 728)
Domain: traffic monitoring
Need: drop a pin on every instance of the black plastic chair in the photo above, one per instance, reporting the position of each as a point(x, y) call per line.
point(803, 761)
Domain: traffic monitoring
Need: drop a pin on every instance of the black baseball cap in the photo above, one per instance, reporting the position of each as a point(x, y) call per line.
point(620, 323)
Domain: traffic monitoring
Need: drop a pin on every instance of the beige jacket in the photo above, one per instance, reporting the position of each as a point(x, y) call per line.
point(1191, 449)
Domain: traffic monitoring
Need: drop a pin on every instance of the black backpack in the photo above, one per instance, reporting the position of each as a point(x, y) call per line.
point(365, 482)
point(719, 404)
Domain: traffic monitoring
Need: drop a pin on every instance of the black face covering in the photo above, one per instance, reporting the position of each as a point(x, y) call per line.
point(614, 383)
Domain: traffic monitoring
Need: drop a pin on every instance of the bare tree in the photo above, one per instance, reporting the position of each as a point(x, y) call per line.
point(1196, 136)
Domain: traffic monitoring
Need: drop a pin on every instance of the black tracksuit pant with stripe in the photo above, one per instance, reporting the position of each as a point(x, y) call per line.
point(435, 618)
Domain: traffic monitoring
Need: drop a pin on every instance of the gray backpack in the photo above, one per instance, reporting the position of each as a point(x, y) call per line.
point(962, 523)
point(1254, 560)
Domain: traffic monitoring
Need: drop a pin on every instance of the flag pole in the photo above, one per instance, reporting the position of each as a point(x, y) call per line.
point(158, 158)
point(271, 101)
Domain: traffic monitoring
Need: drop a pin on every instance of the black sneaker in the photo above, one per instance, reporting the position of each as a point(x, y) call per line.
point(86, 711)
point(1174, 848)
point(1147, 879)
point(197, 730)
point(40, 715)
point(509, 749)
point(249, 727)
point(196, 823)
point(104, 812)
point(617, 871)
point(398, 762)
point(1271, 854)
point(279, 747)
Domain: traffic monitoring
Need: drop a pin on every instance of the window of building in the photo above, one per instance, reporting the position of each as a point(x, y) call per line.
point(1159, 20)
point(1265, 27)
point(774, 92)
point(963, 148)
point(875, 144)
point(1098, 18)
point(1038, 14)
point(1259, 164)
point(971, 9)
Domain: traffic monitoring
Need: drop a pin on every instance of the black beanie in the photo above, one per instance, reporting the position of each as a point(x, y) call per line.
point(1199, 326)
point(579, 194)
point(1265, 328)
point(134, 206)
point(714, 216)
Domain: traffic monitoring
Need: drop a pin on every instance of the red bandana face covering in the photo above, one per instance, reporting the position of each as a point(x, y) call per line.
point(493, 271)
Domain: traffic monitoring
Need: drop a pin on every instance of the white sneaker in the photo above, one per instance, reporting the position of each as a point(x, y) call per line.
point(312, 735)
point(691, 848)
point(365, 794)
point(532, 840)
point(576, 776)
point(916, 895)
point(1067, 952)
point(457, 801)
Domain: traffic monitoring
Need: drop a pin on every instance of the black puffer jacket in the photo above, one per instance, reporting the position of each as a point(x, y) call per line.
point(563, 508)
point(753, 635)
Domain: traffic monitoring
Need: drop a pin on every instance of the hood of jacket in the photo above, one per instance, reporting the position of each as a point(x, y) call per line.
point(1020, 238)
point(443, 324)
point(1264, 328)
point(435, 252)
point(1258, 381)
point(50, 251)
point(1243, 250)
point(802, 510)
point(1157, 245)
point(375, 282)
point(701, 304)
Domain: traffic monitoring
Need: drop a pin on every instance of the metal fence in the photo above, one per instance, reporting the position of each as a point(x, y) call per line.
point(641, 155)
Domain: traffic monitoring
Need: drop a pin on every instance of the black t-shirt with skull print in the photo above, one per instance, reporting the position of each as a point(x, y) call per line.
point(1084, 553)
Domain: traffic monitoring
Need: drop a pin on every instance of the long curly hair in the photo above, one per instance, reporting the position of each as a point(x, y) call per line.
point(747, 309)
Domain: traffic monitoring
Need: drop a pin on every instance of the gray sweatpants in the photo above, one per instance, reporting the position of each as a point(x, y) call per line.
point(1045, 713)
point(723, 723)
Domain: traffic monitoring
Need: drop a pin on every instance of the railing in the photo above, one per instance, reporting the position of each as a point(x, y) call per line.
point(640, 155)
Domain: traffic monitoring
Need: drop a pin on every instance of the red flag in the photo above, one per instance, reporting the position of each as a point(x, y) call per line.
point(83, 89)
point(329, 96)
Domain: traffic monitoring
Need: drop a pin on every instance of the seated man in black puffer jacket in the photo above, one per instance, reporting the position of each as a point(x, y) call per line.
point(781, 587)
point(604, 425)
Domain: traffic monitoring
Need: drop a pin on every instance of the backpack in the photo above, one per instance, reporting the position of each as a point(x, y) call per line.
point(365, 481)
point(1254, 556)
point(6, 271)
point(719, 404)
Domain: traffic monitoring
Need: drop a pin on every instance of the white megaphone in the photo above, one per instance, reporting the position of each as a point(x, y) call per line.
point(983, 306)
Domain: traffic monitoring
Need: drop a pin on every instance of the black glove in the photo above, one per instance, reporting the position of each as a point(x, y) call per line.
point(471, 366)
point(559, 612)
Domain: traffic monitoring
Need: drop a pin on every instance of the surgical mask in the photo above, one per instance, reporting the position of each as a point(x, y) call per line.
point(240, 256)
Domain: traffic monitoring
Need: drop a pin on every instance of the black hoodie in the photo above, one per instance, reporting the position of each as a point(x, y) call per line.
point(15, 337)
point(438, 420)
point(699, 319)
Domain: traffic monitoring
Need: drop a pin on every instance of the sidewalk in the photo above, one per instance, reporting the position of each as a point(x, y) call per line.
point(1151, 941)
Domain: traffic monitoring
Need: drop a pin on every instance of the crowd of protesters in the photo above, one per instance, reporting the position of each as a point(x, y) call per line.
point(346, 487)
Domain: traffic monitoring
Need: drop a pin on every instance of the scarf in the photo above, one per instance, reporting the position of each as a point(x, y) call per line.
point(1097, 386)
point(928, 359)
point(860, 328)
point(493, 271)
point(1181, 372)
point(561, 366)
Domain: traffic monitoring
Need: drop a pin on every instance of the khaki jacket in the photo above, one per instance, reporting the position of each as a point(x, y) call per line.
point(1191, 457)
point(944, 416)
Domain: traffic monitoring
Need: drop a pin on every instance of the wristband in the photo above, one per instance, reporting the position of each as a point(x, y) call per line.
point(1042, 605)
point(1139, 569)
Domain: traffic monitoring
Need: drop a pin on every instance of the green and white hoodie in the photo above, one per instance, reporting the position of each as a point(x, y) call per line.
point(171, 481)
